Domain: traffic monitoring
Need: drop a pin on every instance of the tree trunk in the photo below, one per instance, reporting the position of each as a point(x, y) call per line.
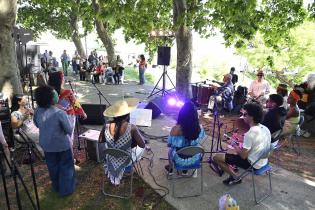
point(184, 49)
point(104, 35)
point(9, 71)
point(76, 36)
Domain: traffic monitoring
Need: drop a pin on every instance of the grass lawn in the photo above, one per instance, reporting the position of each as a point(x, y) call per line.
point(88, 193)
point(133, 74)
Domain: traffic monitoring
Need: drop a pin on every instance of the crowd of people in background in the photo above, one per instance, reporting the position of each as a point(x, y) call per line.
point(95, 68)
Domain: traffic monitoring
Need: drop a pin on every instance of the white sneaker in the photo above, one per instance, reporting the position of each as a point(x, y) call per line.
point(195, 175)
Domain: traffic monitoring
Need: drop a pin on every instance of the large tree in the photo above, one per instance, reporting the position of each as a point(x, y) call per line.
point(9, 71)
point(237, 20)
point(104, 29)
point(62, 18)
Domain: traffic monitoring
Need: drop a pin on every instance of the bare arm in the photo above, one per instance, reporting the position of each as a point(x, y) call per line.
point(15, 122)
point(137, 136)
point(242, 152)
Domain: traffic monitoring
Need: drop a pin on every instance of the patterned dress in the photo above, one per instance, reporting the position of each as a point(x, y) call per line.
point(116, 166)
point(177, 142)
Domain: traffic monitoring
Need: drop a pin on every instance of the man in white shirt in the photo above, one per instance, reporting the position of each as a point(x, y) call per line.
point(256, 143)
point(259, 88)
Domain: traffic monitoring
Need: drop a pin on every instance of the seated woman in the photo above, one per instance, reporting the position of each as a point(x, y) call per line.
point(293, 116)
point(54, 137)
point(187, 132)
point(22, 118)
point(120, 134)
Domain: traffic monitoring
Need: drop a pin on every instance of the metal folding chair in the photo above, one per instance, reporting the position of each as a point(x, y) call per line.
point(295, 137)
point(188, 152)
point(118, 153)
point(255, 172)
point(276, 136)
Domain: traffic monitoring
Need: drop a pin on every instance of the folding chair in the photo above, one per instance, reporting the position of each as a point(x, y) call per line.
point(276, 136)
point(189, 152)
point(255, 172)
point(118, 153)
point(294, 137)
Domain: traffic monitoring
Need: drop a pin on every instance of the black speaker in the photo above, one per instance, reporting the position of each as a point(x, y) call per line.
point(94, 114)
point(164, 56)
point(156, 105)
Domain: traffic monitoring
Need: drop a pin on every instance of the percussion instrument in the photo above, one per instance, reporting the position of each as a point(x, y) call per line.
point(202, 93)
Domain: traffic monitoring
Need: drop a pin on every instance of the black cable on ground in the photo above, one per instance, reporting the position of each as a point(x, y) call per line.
point(162, 188)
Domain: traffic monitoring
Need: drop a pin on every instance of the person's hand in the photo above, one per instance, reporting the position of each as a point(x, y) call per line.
point(84, 116)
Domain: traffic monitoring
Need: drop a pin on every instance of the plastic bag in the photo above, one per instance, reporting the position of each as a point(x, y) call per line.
point(226, 202)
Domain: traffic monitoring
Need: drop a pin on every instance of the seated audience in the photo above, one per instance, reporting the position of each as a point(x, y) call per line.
point(120, 134)
point(22, 118)
point(274, 118)
point(99, 71)
point(259, 88)
point(108, 75)
point(293, 116)
point(282, 90)
point(54, 137)
point(256, 143)
point(186, 132)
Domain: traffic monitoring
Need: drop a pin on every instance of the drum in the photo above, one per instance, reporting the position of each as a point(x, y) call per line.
point(203, 94)
point(194, 91)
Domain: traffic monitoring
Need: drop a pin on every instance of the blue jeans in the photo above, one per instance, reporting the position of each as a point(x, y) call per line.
point(141, 76)
point(61, 171)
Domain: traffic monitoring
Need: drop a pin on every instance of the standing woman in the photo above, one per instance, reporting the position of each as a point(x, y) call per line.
point(67, 100)
point(54, 137)
point(142, 68)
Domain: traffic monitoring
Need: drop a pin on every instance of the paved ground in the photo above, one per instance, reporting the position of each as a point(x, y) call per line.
point(290, 191)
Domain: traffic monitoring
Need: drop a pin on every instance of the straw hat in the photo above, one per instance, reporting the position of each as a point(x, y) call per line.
point(121, 107)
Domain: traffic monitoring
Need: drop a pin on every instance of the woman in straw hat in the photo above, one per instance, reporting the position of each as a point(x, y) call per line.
point(120, 134)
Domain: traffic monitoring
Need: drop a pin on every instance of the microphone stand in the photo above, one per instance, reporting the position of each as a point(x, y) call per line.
point(77, 128)
point(100, 94)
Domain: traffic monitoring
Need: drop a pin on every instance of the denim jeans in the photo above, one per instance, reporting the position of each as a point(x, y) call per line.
point(141, 76)
point(61, 171)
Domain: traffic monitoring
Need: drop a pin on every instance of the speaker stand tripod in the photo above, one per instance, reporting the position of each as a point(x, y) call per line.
point(162, 90)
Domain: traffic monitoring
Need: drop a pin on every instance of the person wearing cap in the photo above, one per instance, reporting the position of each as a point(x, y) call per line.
point(121, 134)
point(259, 88)
point(293, 116)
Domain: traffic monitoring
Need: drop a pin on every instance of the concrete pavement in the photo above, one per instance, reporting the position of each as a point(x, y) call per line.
point(289, 190)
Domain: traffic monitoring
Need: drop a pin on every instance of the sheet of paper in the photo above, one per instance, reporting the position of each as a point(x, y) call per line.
point(91, 135)
point(141, 117)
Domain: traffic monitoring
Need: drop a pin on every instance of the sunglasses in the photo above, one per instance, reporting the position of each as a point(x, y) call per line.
point(259, 75)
